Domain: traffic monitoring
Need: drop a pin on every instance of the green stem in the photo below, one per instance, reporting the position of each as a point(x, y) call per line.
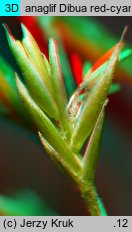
point(93, 202)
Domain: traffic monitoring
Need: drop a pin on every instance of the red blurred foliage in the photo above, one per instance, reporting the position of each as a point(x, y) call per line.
point(77, 68)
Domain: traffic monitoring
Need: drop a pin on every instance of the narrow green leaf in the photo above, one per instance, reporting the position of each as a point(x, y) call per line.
point(10, 93)
point(94, 103)
point(69, 81)
point(5, 67)
point(32, 78)
point(92, 151)
point(114, 88)
point(49, 149)
point(103, 211)
point(94, 35)
point(46, 62)
point(59, 161)
point(9, 89)
point(125, 54)
point(35, 56)
point(86, 68)
point(58, 87)
point(91, 78)
point(49, 30)
point(49, 131)
point(24, 203)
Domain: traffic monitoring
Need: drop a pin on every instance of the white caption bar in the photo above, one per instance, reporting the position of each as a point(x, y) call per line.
point(75, 7)
point(66, 224)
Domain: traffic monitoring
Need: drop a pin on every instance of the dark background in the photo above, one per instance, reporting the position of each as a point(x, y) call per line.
point(24, 164)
